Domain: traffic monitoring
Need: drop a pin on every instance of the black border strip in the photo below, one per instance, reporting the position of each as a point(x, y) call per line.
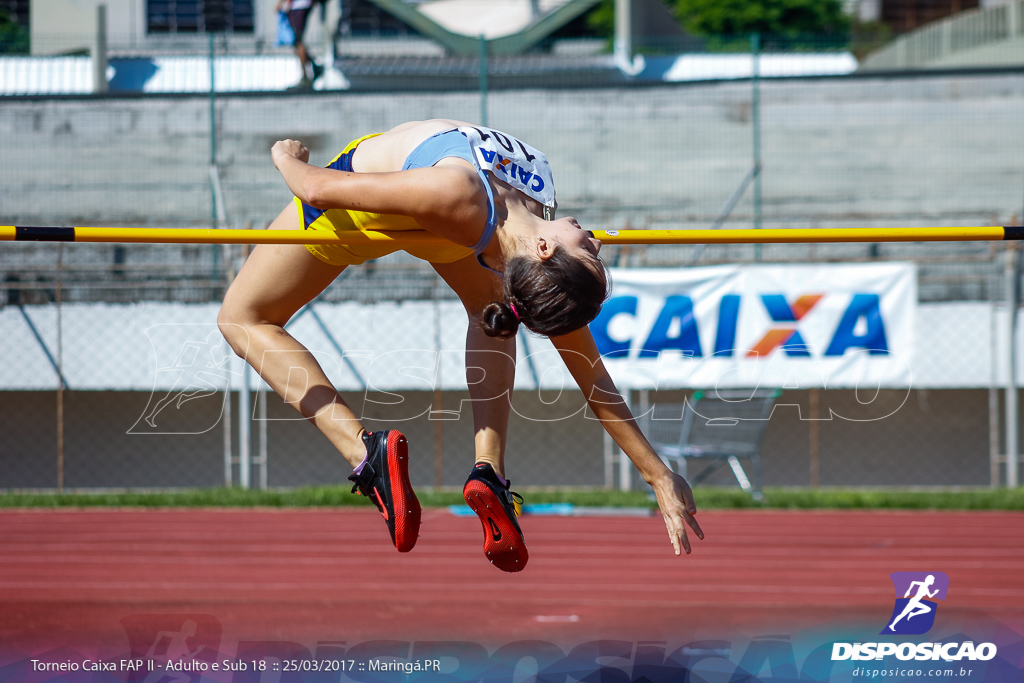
point(1013, 232)
point(29, 233)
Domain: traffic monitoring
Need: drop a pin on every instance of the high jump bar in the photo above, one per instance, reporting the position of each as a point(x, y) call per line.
point(15, 233)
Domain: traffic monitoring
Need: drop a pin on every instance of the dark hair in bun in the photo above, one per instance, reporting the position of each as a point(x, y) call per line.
point(552, 297)
point(500, 321)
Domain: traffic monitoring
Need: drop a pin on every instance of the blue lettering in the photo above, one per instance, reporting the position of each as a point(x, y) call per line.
point(796, 347)
point(524, 176)
point(865, 306)
point(500, 166)
point(473, 660)
point(817, 666)
point(651, 665)
point(547, 657)
point(688, 341)
point(688, 656)
point(728, 313)
point(778, 308)
point(606, 346)
point(538, 184)
point(487, 155)
point(776, 651)
point(583, 662)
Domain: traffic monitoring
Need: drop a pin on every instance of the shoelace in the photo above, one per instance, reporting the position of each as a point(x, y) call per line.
point(369, 492)
point(517, 502)
point(359, 488)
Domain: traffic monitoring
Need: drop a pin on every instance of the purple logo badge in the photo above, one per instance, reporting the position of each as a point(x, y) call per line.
point(915, 608)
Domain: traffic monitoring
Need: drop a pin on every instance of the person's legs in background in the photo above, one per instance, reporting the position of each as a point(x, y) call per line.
point(297, 16)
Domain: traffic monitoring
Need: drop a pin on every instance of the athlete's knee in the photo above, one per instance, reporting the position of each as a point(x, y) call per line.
point(233, 329)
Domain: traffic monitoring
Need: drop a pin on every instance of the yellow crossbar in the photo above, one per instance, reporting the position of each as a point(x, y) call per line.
point(422, 237)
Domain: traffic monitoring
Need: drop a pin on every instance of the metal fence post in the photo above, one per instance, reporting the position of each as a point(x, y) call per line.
point(755, 120)
point(245, 429)
point(99, 52)
point(225, 416)
point(483, 80)
point(814, 440)
point(1010, 287)
point(993, 387)
point(625, 464)
point(213, 156)
point(623, 45)
point(609, 461)
point(60, 371)
point(438, 407)
point(261, 402)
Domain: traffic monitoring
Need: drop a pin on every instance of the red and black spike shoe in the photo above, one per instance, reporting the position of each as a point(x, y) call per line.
point(384, 479)
point(497, 508)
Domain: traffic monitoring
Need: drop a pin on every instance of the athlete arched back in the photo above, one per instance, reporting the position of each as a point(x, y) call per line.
point(510, 261)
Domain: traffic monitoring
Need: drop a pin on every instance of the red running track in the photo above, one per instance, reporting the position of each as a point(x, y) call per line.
point(68, 577)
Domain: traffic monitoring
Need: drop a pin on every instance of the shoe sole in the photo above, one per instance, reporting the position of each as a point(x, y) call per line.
point(403, 499)
point(503, 543)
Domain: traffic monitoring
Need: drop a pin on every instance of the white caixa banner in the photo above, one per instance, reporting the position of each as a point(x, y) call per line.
point(770, 326)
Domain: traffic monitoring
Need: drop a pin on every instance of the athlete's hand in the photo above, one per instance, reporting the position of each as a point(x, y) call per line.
point(676, 502)
point(288, 148)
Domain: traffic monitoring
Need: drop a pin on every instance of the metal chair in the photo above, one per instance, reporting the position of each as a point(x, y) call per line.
point(723, 428)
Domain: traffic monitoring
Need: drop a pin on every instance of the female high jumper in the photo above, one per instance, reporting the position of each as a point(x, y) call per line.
point(510, 263)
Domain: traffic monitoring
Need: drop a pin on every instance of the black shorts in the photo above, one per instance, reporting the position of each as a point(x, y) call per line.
point(297, 18)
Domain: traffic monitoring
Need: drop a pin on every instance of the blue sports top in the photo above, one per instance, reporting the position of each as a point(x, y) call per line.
point(452, 143)
point(508, 159)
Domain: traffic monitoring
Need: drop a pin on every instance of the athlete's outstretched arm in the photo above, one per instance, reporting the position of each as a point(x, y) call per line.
point(675, 499)
point(444, 198)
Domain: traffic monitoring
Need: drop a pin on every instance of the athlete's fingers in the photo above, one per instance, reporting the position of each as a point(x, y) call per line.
point(685, 538)
point(677, 534)
point(292, 148)
point(691, 507)
point(677, 507)
point(693, 524)
point(673, 535)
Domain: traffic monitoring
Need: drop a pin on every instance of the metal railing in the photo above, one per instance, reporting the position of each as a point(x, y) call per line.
point(933, 45)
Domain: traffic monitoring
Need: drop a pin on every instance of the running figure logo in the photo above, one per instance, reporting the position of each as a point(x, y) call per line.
point(201, 369)
point(914, 613)
point(165, 638)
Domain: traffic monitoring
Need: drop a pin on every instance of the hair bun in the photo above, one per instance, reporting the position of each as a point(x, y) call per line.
point(498, 320)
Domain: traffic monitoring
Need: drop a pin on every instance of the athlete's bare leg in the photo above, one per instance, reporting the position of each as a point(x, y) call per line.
point(275, 282)
point(492, 357)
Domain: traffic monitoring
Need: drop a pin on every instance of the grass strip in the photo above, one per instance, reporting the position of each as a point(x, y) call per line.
point(706, 498)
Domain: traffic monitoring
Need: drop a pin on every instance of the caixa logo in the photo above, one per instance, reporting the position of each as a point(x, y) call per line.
point(676, 327)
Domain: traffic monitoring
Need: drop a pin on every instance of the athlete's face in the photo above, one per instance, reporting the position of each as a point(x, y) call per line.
point(579, 242)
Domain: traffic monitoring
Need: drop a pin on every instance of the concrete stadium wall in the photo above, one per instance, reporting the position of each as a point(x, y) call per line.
point(935, 438)
point(944, 148)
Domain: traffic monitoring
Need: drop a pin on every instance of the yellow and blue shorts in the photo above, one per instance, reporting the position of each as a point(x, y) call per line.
point(341, 221)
